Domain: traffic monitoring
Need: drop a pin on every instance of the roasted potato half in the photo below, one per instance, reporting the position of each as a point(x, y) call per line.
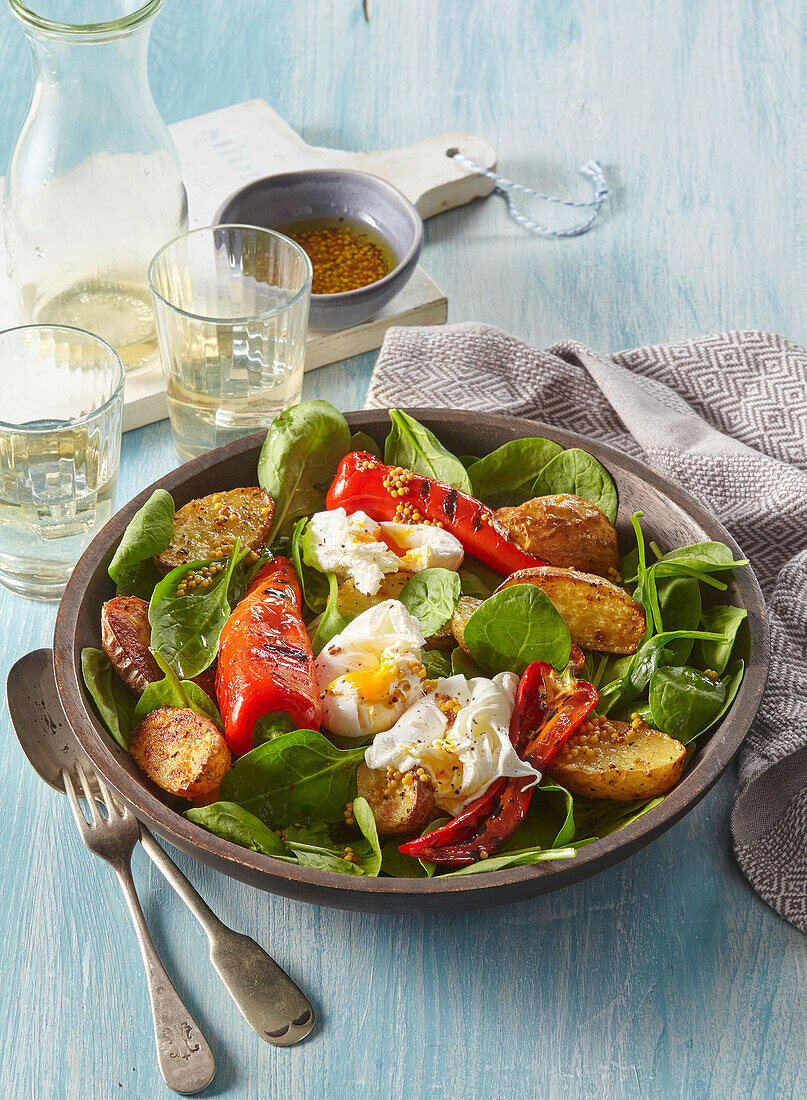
point(616, 760)
point(464, 610)
point(599, 614)
point(353, 602)
point(125, 636)
point(398, 805)
point(181, 751)
point(563, 530)
point(442, 638)
point(208, 526)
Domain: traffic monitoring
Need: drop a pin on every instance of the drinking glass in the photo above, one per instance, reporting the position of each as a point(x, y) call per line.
point(231, 306)
point(59, 452)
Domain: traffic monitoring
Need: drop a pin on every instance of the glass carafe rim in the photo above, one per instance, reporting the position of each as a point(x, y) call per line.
point(12, 426)
point(112, 28)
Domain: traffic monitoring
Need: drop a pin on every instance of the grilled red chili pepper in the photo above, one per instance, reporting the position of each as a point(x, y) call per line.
point(385, 493)
point(265, 661)
point(549, 707)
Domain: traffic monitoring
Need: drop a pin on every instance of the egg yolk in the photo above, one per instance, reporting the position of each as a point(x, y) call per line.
point(372, 683)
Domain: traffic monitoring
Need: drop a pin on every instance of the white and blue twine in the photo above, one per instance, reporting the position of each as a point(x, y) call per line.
point(506, 187)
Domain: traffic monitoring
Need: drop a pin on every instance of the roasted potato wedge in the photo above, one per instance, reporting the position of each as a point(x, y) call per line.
point(208, 526)
point(442, 638)
point(181, 751)
point(563, 530)
point(599, 614)
point(125, 636)
point(464, 610)
point(616, 760)
point(405, 808)
point(353, 602)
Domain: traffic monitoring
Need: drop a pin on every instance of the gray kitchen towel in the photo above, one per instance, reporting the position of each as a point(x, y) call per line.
point(725, 416)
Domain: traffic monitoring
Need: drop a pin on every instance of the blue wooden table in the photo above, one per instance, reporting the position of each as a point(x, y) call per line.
point(664, 976)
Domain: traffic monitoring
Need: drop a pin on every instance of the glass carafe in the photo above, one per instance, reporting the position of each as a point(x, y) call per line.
point(94, 186)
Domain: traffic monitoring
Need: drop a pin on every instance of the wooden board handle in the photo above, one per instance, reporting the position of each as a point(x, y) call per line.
point(429, 177)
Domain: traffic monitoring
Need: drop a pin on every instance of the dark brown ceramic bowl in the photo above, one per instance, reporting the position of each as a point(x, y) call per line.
point(671, 517)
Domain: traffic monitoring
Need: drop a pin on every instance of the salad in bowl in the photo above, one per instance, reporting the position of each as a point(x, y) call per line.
point(412, 663)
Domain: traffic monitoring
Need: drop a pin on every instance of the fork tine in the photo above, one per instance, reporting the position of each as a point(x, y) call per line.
point(89, 797)
point(111, 803)
point(70, 791)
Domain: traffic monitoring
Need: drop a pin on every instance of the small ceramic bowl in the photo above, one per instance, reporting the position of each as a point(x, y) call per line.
point(337, 193)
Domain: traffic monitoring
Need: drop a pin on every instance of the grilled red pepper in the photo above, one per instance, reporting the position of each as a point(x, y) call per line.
point(548, 709)
point(265, 661)
point(363, 484)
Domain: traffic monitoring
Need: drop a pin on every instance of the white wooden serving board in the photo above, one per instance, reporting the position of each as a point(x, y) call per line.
point(223, 150)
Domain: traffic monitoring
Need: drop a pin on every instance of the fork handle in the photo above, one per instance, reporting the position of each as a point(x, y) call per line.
point(186, 1061)
point(272, 1004)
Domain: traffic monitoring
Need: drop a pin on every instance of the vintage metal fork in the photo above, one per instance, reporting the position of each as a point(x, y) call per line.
point(186, 1061)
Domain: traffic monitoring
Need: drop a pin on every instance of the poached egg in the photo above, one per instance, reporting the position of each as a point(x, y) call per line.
point(459, 733)
point(371, 673)
point(357, 548)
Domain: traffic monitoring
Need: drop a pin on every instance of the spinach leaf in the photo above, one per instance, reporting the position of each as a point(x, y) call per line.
point(331, 622)
point(270, 726)
point(462, 665)
point(413, 446)
point(516, 626)
point(325, 859)
point(646, 591)
point(596, 818)
point(628, 566)
point(723, 619)
point(679, 600)
point(243, 574)
point(234, 823)
point(703, 557)
point(366, 822)
point(649, 656)
point(578, 472)
point(398, 865)
point(478, 579)
point(315, 835)
point(297, 777)
point(173, 692)
point(432, 597)
point(437, 663)
point(549, 822)
point(250, 571)
point(468, 460)
point(150, 531)
point(313, 846)
point(507, 475)
point(138, 580)
point(361, 441)
point(298, 460)
point(313, 584)
point(112, 700)
point(732, 680)
point(521, 858)
point(185, 630)
point(683, 701)
point(427, 866)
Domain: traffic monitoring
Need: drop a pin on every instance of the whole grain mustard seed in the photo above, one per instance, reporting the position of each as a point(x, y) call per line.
point(343, 257)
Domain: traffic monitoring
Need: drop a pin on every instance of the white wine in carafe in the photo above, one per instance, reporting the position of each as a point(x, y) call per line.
point(119, 313)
